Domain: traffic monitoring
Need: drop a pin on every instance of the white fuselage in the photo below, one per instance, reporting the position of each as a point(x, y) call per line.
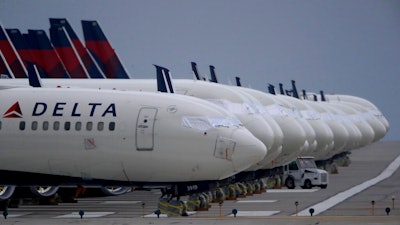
point(121, 136)
point(220, 95)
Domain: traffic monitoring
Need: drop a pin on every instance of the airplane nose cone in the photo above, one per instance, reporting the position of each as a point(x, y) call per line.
point(248, 150)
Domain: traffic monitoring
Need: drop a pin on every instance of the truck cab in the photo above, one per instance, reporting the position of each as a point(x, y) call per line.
point(304, 172)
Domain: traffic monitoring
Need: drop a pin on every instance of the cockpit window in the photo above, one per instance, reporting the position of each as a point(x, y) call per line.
point(206, 123)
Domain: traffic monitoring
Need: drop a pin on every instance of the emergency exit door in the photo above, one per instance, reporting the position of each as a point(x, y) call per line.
point(145, 128)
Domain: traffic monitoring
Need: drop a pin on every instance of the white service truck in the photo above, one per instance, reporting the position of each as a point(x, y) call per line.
point(304, 172)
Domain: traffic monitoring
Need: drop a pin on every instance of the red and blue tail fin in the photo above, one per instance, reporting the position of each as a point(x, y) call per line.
point(67, 53)
point(11, 63)
point(98, 45)
point(5, 71)
point(47, 57)
point(21, 45)
point(88, 62)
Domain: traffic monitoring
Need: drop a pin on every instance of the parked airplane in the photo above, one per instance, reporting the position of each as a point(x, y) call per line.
point(309, 136)
point(99, 137)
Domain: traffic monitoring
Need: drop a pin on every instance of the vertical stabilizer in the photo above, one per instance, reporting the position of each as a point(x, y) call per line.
point(322, 96)
point(213, 75)
point(238, 82)
point(196, 71)
point(88, 61)
point(10, 57)
point(271, 89)
point(5, 70)
point(281, 89)
point(20, 42)
point(67, 52)
point(305, 95)
point(46, 57)
point(100, 48)
point(164, 82)
point(294, 90)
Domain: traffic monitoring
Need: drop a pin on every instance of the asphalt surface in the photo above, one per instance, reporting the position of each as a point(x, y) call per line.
point(352, 190)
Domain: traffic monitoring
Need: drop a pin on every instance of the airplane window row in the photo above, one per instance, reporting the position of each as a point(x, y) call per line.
point(77, 126)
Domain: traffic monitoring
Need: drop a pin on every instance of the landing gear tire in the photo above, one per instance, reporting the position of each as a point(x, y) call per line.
point(44, 191)
point(307, 184)
point(289, 183)
point(115, 190)
point(6, 191)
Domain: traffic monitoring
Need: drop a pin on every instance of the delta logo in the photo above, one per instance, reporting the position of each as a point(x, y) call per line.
point(61, 109)
point(13, 112)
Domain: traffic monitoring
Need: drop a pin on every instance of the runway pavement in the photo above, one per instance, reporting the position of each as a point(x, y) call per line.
point(373, 175)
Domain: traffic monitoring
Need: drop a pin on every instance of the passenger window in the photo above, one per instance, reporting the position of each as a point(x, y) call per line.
point(89, 125)
point(34, 125)
point(100, 126)
point(56, 125)
point(45, 125)
point(67, 125)
point(22, 125)
point(111, 126)
point(78, 126)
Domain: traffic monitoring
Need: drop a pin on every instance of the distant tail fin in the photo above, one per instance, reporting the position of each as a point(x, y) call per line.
point(47, 58)
point(88, 61)
point(304, 94)
point(322, 96)
point(10, 57)
point(97, 43)
point(196, 71)
point(238, 82)
point(281, 89)
point(271, 89)
point(164, 83)
point(294, 90)
point(212, 73)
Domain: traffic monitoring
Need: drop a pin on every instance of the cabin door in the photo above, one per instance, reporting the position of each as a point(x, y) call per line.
point(145, 128)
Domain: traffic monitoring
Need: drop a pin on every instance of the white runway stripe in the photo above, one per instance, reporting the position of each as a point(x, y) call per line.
point(329, 203)
point(292, 190)
point(254, 213)
point(121, 202)
point(86, 215)
point(256, 201)
point(162, 215)
point(14, 215)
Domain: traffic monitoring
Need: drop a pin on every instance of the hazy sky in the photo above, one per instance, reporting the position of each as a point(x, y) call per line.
point(341, 46)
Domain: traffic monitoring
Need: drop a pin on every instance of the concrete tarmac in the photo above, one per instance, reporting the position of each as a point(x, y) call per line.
point(352, 205)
